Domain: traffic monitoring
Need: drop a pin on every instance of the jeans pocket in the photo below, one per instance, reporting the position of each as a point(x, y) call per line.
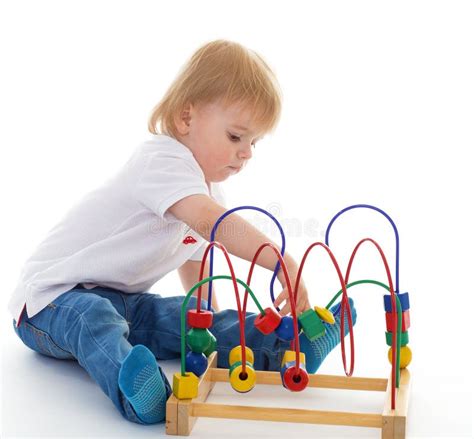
point(40, 341)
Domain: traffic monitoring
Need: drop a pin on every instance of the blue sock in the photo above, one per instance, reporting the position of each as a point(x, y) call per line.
point(141, 383)
point(317, 350)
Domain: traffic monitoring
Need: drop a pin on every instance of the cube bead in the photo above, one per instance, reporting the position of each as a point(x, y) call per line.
point(202, 319)
point(236, 355)
point(405, 320)
point(404, 302)
point(269, 322)
point(185, 387)
point(312, 325)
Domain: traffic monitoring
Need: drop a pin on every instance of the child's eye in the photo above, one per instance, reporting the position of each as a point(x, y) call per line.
point(237, 139)
point(234, 138)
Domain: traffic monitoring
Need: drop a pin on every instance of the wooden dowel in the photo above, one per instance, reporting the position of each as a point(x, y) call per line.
point(276, 414)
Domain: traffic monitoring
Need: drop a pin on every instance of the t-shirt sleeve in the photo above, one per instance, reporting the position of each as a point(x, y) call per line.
point(166, 179)
point(218, 195)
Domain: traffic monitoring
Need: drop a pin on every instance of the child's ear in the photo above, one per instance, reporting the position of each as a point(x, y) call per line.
point(183, 120)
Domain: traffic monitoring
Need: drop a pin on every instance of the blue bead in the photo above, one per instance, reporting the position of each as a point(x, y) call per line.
point(404, 302)
point(285, 331)
point(196, 363)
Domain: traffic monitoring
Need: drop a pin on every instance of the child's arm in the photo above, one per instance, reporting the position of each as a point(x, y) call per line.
point(240, 238)
point(189, 275)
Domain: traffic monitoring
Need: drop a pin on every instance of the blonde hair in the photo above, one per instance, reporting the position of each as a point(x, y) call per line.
point(223, 71)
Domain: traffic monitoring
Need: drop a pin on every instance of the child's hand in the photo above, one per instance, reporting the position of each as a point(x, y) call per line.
point(302, 302)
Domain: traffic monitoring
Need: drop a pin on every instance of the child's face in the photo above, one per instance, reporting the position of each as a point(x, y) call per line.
point(216, 137)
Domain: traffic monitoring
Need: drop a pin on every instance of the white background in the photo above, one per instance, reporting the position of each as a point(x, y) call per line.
point(378, 108)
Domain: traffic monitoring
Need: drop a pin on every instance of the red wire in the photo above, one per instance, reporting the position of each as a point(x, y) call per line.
point(394, 307)
point(290, 294)
point(344, 302)
point(237, 297)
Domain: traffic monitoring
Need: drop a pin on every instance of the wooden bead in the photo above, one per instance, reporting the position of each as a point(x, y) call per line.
point(405, 320)
point(404, 302)
point(325, 315)
point(236, 355)
point(199, 339)
point(291, 356)
point(284, 330)
point(269, 322)
point(312, 325)
point(201, 319)
point(185, 387)
point(404, 337)
point(405, 356)
point(241, 382)
point(212, 347)
point(196, 363)
point(236, 364)
point(291, 381)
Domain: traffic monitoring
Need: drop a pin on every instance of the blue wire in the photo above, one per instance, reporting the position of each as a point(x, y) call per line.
point(397, 239)
point(211, 263)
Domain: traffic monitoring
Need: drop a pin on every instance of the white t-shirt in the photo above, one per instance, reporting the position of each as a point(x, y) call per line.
point(120, 235)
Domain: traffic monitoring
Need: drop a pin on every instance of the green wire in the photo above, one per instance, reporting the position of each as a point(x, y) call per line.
point(185, 302)
point(399, 322)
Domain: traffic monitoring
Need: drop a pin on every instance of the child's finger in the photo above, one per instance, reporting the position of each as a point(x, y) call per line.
point(286, 309)
point(282, 296)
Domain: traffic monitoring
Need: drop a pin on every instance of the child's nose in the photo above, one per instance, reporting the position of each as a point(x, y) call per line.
point(245, 153)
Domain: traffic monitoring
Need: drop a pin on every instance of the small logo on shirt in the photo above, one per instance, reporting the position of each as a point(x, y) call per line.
point(189, 240)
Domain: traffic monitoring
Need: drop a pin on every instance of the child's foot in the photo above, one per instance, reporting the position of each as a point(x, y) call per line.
point(141, 383)
point(317, 350)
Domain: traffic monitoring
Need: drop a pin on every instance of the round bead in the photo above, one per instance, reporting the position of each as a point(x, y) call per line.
point(198, 339)
point(325, 315)
point(241, 382)
point(269, 322)
point(212, 347)
point(284, 330)
point(236, 355)
point(293, 382)
point(201, 319)
point(196, 363)
point(405, 356)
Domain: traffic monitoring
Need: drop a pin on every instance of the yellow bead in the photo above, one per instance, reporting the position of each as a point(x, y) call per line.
point(185, 387)
point(405, 356)
point(236, 355)
point(291, 356)
point(325, 315)
point(240, 382)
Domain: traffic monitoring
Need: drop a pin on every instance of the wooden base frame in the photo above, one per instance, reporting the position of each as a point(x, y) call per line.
point(182, 414)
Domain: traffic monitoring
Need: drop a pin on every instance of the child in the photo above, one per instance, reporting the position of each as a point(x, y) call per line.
point(83, 295)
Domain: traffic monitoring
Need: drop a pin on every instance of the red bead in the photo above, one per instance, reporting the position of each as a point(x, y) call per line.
point(291, 381)
point(201, 320)
point(269, 322)
point(405, 320)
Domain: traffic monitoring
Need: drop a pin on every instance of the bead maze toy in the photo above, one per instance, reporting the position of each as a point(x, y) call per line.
point(199, 371)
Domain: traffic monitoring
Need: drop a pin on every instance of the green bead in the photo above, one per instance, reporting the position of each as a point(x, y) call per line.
point(312, 325)
point(199, 339)
point(212, 347)
point(388, 338)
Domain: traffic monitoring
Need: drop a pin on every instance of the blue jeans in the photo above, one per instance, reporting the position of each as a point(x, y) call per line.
point(99, 327)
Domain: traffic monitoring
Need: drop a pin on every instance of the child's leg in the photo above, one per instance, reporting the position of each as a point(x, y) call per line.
point(92, 329)
point(155, 322)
